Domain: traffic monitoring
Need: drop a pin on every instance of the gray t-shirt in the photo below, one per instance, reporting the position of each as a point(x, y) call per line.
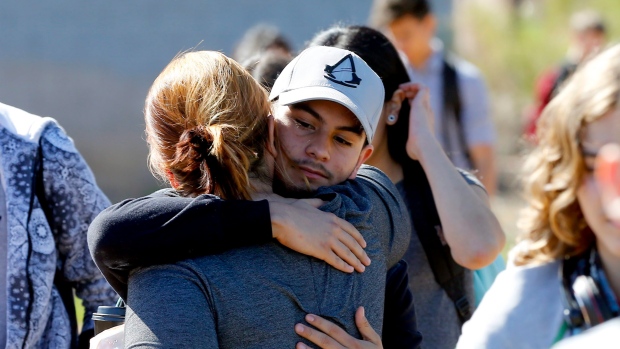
point(253, 297)
point(437, 318)
point(522, 310)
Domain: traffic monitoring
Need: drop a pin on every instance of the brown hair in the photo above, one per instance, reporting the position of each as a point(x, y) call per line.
point(553, 223)
point(207, 125)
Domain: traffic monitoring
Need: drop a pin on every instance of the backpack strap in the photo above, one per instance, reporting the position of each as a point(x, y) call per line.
point(566, 70)
point(452, 108)
point(427, 224)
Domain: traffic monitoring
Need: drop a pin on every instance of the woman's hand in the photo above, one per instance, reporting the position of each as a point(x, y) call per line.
point(330, 336)
point(421, 119)
point(301, 226)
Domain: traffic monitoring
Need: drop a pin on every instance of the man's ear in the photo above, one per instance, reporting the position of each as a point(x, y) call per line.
point(271, 141)
point(364, 155)
point(172, 179)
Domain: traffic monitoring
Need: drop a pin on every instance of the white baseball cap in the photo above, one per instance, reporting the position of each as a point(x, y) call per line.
point(333, 74)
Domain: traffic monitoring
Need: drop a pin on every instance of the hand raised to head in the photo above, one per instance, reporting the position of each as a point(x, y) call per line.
point(421, 118)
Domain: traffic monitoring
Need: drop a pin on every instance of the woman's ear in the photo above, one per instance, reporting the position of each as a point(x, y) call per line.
point(271, 141)
point(394, 106)
point(172, 179)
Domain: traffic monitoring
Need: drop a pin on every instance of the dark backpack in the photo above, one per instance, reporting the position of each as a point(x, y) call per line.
point(452, 109)
point(427, 224)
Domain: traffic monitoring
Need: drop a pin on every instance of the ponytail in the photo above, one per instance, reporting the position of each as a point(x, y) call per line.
point(205, 163)
point(207, 125)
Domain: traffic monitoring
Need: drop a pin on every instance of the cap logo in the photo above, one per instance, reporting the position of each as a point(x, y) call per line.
point(343, 72)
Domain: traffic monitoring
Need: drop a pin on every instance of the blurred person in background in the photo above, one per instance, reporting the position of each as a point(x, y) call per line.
point(264, 51)
point(439, 197)
point(458, 96)
point(266, 67)
point(588, 35)
point(48, 197)
point(566, 273)
point(260, 38)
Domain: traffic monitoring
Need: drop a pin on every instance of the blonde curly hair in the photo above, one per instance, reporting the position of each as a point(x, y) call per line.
point(553, 223)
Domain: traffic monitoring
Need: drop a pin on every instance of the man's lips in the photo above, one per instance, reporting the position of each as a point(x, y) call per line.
point(312, 173)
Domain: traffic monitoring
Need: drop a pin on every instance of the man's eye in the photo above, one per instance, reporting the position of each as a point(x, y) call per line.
point(343, 141)
point(303, 124)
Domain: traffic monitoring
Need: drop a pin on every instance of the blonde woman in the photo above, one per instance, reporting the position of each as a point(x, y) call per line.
point(566, 273)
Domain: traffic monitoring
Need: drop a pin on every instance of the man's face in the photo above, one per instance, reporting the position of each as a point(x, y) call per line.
point(589, 43)
point(411, 35)
point(321, 143)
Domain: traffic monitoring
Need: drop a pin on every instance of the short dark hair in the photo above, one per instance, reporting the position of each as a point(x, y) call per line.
point(266, 67)
point(385, 12)
point(588, 20)
point(258, 39)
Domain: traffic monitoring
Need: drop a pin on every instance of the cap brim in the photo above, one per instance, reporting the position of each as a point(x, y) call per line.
point(314, 93)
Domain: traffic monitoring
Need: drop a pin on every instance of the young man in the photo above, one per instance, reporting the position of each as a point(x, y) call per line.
point(328, 102)
point(463, 124)
point(48, 197)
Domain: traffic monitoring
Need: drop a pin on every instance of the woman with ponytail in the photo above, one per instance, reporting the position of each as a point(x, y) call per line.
point(207, 127)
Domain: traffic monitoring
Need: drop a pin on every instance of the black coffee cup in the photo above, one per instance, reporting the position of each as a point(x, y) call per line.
point(109, 316)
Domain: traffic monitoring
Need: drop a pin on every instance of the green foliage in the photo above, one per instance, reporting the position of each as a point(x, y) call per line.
point(79, 311)
point(513, 46)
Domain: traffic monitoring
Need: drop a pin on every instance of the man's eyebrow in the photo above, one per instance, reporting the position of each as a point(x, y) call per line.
point(305, 107)
point(357, 128)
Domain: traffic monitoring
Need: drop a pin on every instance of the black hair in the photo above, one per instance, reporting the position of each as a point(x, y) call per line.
point(385, 12)
point(258, 39)
point(379, 53)
point(266, 67)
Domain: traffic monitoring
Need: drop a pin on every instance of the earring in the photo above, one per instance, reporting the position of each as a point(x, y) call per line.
point(391, 119)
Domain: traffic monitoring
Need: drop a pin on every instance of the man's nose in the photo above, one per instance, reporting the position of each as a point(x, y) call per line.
point(318, 148)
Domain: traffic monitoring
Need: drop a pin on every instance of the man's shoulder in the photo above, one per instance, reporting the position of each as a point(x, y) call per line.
point(369, 183)
point(466, 71)
point(375, 181)
point(373, 177)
